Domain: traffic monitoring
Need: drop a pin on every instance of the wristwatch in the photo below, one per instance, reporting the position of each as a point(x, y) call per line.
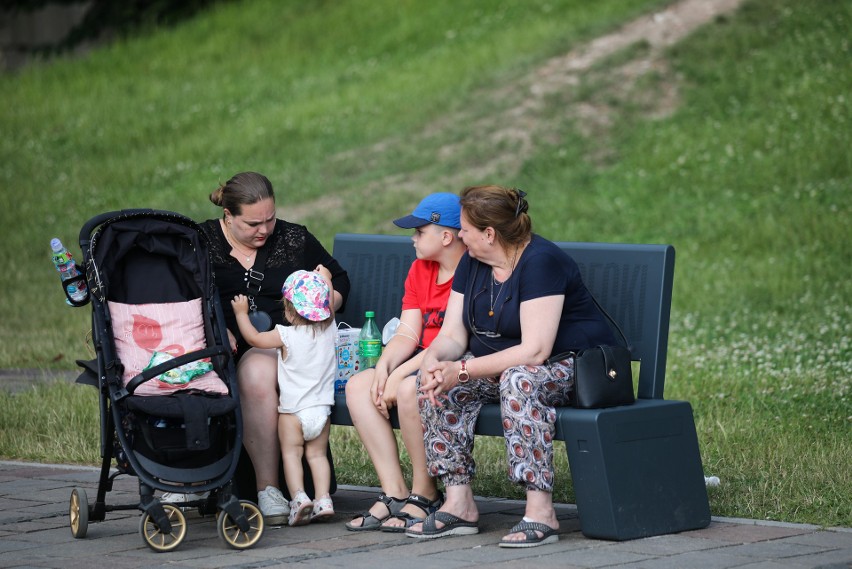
point(464, 375)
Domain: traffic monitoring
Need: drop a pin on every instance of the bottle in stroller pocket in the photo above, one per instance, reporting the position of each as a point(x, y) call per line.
point(73, 281)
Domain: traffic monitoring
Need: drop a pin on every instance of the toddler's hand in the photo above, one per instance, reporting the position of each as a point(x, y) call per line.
point(240, 304)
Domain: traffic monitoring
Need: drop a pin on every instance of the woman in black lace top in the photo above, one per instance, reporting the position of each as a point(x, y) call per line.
point(247, 232)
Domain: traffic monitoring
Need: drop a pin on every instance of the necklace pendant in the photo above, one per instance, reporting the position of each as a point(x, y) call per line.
point(490, 313)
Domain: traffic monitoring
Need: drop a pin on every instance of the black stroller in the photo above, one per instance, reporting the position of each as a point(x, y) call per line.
point(183, 439)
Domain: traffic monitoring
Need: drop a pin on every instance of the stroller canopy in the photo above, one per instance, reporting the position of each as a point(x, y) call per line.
point(146, 257)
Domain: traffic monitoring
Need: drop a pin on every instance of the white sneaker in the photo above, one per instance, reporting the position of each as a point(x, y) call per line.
point(273, 505)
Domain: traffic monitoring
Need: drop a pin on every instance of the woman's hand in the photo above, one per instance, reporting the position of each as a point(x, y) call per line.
point(240, 304)
point(436, 375)
point(336, 299)
point(437, 379)
point(323, 271)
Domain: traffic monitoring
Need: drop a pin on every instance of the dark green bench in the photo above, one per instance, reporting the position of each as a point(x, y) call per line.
point(636, 469)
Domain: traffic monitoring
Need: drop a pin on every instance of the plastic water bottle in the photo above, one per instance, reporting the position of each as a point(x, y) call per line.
point(369, 341)
point(64, 262)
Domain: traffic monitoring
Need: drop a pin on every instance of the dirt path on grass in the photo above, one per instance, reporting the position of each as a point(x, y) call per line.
point(521, 113)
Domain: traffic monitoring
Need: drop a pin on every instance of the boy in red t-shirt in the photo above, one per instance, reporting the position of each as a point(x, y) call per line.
point(371, 393)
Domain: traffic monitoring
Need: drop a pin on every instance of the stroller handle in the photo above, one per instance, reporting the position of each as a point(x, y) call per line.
point(89, 226)
point(100, 219)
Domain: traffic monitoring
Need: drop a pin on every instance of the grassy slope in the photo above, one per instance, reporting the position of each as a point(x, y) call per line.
point(748, 175)
point(276, 87)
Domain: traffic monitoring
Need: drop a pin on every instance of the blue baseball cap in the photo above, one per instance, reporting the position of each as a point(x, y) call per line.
point(440, 209)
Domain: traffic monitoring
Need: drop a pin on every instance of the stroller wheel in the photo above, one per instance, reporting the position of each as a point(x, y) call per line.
point(158, 540)
point(78, 511)
point(230, 531)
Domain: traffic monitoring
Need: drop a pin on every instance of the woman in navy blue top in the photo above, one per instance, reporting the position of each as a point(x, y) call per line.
point(518, 300)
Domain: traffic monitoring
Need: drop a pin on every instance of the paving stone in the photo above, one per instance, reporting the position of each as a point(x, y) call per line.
point(35, 531)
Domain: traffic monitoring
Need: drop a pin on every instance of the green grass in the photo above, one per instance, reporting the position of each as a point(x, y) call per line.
point(734, 147)
point(52, 422)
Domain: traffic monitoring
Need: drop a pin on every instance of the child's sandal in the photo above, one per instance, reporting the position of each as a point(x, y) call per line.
point(300, 510)
point(323, 510)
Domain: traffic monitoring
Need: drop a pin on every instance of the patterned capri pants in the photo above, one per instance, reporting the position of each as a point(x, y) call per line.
point(527, 395)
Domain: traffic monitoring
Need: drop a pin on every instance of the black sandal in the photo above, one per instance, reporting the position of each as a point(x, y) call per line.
point(428, 506)
point(372, 523)
point(531, 538)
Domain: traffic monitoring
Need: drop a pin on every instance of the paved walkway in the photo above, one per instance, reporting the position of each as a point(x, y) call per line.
point(35, 532)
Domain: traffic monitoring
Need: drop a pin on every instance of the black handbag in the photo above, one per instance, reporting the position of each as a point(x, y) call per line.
point(603, 375)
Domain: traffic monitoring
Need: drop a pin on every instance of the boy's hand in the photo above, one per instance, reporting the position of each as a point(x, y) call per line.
point(240, 304)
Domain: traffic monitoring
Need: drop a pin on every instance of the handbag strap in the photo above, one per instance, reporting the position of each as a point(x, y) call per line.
point(611, 321)
point(255, 277)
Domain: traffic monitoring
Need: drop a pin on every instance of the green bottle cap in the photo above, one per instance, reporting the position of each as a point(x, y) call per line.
point(370, 314)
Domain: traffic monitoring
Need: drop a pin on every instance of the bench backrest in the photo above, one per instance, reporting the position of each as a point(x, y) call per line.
point(632, 282)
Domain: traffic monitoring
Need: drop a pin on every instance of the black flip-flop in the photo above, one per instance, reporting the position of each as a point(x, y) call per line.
point(532, 539)
point(453, 525)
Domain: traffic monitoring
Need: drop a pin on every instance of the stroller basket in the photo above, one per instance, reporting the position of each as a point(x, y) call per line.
point(183, 432)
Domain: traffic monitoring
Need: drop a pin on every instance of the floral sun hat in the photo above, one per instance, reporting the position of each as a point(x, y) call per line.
point(309, 294)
